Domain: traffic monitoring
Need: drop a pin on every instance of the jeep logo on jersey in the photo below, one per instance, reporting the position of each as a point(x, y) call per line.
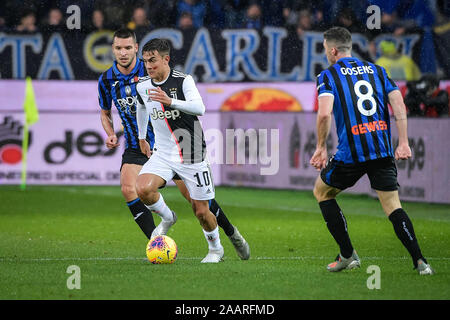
point(168, 114)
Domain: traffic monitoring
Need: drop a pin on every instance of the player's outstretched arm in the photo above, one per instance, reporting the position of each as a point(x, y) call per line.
point(320, 157)
point(403, 150)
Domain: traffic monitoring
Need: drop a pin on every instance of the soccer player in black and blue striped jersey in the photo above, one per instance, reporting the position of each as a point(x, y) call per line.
point(357, 93)
point(118, 84)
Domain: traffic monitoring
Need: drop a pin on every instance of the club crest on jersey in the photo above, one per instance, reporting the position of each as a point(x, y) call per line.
point(168, 114)
point(173, 93)
point(128, 91)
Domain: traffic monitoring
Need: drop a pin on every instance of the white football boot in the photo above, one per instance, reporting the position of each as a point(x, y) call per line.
point(214, 256)
point(164, 226)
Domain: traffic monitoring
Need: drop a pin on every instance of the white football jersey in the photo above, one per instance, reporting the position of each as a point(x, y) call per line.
point(178, 132)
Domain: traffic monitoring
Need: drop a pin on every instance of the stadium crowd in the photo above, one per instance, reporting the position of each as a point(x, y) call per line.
point(398, 17)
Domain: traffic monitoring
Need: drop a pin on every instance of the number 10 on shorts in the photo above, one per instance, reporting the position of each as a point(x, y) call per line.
point(206, 179)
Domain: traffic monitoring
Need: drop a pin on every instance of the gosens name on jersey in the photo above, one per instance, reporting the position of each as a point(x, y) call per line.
point(360, 109)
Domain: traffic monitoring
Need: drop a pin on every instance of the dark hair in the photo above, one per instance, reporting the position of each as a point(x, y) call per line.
point(156, 44)
point(340, 36)
point(124, 34)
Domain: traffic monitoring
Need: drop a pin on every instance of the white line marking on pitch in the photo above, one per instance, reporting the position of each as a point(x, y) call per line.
point(198, 258)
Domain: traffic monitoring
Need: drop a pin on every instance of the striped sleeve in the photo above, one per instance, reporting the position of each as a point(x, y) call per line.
point(324, 86)
point(389, 84)
point(104, 97)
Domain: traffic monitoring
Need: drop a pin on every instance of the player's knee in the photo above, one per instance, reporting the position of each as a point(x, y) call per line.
point(144, 191)
point(128, 191)
point(201, 211)
point(318, 194)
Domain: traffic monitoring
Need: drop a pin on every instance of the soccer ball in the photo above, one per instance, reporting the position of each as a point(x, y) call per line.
point(162, 249)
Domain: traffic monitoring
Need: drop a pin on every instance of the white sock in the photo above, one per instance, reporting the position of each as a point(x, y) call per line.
point(213, 239)
point(161, 209)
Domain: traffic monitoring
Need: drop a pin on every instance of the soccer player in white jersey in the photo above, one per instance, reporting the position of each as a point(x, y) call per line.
point(173, 102)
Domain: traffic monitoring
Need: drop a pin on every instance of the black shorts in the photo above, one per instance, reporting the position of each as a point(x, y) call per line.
point(134, 156)
point(382, 174)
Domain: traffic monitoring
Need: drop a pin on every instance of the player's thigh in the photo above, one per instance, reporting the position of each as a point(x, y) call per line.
point(335, 177)
point(148, 183)
point(389, 200)
point(382, 174)
point(198, 180)
point(182, 187)
point(153, 175)
point(128, 177)
point(323, 192)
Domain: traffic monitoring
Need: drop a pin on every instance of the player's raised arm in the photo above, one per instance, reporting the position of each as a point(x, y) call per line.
point(403, 150)
point(194, 103)
point(142, 123)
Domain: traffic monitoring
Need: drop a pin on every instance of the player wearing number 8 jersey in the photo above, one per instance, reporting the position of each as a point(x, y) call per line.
point(363, 131)
point(358, 92)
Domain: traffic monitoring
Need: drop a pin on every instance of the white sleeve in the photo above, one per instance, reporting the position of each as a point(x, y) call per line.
point(141, 117)
point(194, 103)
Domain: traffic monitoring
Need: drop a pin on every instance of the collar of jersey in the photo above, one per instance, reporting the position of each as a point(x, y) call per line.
point(127, 76)
point(347, 58)
point(154, 83)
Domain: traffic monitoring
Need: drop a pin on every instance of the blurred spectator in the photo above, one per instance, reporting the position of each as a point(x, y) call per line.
point(97, 22)
point(442, 37)
point(404, 16)
point(397, 65)
point(114, 12)
point(186, 22)
point(27, 22)
point(304, 22)
point(139, 22)
point(215, 14)
point(443, 11)
point(347, 18)
point(425, 98)
point(292, 9)
point(234, 12)
point(196, 8)
point(54, 21)
point(3, 26)
point(160, 12)
point(253, 17)
point(3, 17)
point(416, 13)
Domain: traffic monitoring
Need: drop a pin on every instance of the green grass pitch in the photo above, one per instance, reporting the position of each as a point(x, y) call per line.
point(46, 229)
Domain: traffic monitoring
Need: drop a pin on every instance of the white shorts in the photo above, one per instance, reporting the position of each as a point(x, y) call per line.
point(197, 176)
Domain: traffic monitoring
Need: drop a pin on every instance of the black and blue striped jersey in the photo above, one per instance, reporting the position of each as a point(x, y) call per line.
point(360, 108)
point(120, 88)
